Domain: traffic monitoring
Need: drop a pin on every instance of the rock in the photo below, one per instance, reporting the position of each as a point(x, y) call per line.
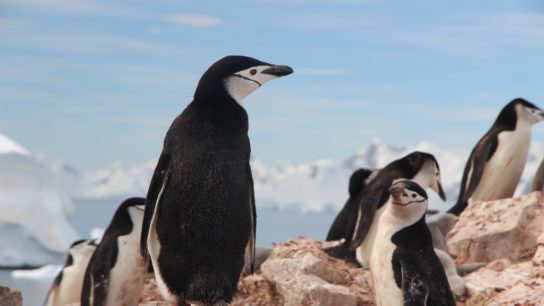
point(502, 282)
point(303, 275)
point(507, 228)
point(538, 258)
point(10, 297)
point(261, 254)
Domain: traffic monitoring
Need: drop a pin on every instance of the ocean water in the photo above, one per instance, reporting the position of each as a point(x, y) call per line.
point(272, 226)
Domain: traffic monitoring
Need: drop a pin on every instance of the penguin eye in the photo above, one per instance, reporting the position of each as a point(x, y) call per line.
point(253, 71)
point(413, 195)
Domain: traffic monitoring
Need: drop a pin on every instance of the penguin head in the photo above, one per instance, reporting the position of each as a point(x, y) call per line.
point(136, 213)
point(408, 200)
point(358, 181)
point(528, 111)
point(81, 248)
point(423, 168)
point(237, 76)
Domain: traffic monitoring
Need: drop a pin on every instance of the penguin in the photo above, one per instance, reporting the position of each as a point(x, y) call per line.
point(66, 288)
point(200, 218)
point(116, 272)
point(357, 183)
point(538, 181)
point(496, 163)
point(404, 267)
point(418, 166)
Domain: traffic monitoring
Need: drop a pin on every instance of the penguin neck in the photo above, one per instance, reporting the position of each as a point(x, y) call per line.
point(413, 236)
point(507, 118)
point(424, 176)
point(403, 216)
point(220, 109)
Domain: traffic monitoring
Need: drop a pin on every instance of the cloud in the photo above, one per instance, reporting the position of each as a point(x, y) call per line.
point(333, 22)
point(199, 21)
point(478, 36)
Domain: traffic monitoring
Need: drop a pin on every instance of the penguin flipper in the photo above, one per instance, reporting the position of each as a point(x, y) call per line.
point(157, 185)
point(337, 230)
point(253, 235)
point(96, 280)
point(474, 170)
point(407, 277)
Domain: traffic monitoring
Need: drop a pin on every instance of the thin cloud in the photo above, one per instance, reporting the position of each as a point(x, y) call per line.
point(199, 21)
point(333, 22)
point(479, 36)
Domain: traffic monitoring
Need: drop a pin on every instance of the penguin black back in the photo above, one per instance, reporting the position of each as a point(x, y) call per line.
point(357, 183)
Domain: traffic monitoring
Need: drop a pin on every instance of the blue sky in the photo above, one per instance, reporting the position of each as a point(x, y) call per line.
point(91, 82)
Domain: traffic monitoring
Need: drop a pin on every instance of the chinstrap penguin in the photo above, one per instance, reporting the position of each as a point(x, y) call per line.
point(357, 183)
point(200, 218)
point(116, 272)
point(347, 217)
point(404, 267)
point(417, 166)
point(496, 163)
point(66, 288)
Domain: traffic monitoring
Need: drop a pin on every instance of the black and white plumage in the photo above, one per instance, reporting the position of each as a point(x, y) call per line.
point(357, 183)
point(200, 218)
point(66, 288)
point(404, 267)
point(116, 272)
point(496, 163)
point(417, 166)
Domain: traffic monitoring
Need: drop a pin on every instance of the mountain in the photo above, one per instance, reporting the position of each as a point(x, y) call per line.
point(311, 187)
point(34, 225)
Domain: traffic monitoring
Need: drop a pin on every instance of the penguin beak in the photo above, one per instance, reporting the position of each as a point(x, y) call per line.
point(438, 188)
point(396, 190)
point(540, 115)
point(278, 70)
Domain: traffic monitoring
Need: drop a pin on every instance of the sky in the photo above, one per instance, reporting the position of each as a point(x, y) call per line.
point(91, 82)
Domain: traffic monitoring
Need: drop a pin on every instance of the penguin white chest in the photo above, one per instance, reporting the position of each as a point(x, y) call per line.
point(128, 275)
point(381, 268)
point(503, 171)
point(363, 252)
point(69, 290)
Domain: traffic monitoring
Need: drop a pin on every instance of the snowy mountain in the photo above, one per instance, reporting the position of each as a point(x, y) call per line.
point(34, 225)
point(314, 186)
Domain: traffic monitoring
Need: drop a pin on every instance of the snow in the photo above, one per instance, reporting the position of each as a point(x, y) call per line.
point(7, 145)
point(34, 225)
point(315, 186)
point(45, 272)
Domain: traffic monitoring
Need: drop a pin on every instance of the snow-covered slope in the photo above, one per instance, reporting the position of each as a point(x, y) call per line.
point(34, 210)
point(313, 186)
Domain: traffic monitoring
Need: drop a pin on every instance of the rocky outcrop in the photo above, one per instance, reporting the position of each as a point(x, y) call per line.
point(10, 297)
point(502, 282)
point(507, 228)
point(304, 275)
point(508, 235)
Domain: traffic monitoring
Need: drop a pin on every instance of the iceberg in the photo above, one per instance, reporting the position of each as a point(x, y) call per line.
point(34, 225)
